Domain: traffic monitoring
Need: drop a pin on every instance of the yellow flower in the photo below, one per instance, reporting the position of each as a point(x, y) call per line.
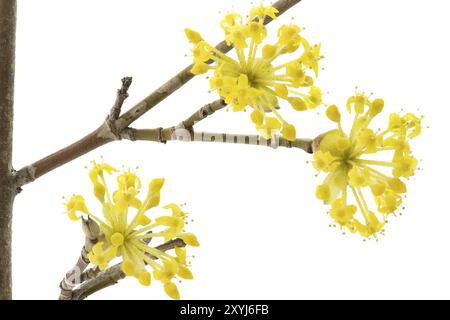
point(359, 101)
point(323, 160)
point(311, 56)
point(193, 36)
point(369, 140)
point(100, 257)
point(349, 172)
point(74, 205)
point(253, 79)
point(126, 234)
point(341, 212)
point(261, 12)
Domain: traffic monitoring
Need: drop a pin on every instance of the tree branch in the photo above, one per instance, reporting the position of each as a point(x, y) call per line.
point(275, 142)
point(202, 113)
point(112, 275)
point(104, 134)
point(185, 135)
point(95, 139)
point(8, 11)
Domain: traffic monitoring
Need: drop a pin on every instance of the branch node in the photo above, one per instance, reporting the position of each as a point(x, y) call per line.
point(128, 134)
point(161, 135)
point(290, 144)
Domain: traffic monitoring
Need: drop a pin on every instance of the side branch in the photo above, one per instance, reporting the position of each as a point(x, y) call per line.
point(122, 95)
point(203, 113)
point(181, 134)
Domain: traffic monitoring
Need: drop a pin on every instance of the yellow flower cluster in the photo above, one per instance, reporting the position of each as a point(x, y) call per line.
point(128, 238)
point(343, 158)
point(252, 79)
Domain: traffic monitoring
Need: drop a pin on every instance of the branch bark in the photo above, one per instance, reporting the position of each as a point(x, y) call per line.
point(8, 9)
point(204, 112)
point(104, 134)
point(92, 141)
point(186, 135)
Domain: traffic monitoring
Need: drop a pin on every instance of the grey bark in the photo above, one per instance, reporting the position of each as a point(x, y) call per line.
point(8, 10)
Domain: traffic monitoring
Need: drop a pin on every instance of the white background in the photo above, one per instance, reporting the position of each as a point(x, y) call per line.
point(263, 233)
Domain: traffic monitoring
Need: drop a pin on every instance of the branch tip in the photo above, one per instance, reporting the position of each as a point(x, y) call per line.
point(122, 95)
